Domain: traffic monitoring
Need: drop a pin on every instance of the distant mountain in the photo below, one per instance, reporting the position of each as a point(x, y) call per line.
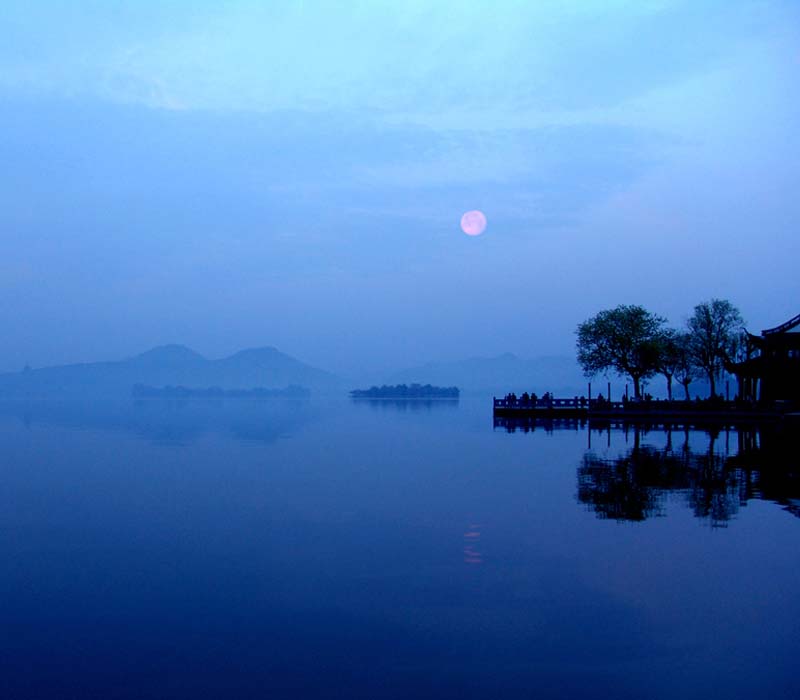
point(500, 375)
point(170, 365)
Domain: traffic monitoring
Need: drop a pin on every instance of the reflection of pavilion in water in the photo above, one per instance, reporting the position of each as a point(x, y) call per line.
point(715, 482)
point(715, 479)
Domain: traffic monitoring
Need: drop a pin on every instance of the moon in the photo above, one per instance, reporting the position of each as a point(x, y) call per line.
point(473, 223)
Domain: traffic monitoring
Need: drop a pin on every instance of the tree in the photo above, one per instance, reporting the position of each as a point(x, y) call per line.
point(686, 371)
point(669, 356)
point(714, 329)
point(624, 339)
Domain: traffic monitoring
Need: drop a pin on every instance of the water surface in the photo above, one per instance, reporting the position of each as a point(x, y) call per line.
point(337, 549)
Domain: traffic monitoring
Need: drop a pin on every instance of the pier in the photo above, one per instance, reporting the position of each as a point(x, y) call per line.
point(653, 412)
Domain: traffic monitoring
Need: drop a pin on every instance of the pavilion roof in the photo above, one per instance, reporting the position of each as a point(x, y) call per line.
point(784, 327)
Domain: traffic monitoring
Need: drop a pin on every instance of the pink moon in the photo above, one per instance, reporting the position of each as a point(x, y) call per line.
point(473, 223)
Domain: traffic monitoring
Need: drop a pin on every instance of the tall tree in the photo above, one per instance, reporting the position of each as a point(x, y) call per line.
point(686, 371)
point(669, 356)
point(714, 329)
point(624, 339)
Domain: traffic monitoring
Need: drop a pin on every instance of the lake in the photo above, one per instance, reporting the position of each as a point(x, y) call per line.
point(339, 549)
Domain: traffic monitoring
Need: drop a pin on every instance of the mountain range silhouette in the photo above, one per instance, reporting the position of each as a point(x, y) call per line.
point(170, 365)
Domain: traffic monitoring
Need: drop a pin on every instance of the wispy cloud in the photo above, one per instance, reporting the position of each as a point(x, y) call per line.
point(414, 57)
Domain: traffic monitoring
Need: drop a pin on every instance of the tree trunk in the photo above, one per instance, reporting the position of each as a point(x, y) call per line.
point(686, 390)
point(713, 384)
point(636, 392)
point(669, 386)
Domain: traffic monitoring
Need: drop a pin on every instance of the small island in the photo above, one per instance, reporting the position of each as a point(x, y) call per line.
point(404, 391)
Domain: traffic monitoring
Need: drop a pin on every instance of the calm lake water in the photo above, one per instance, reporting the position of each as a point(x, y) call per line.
point(332, 549)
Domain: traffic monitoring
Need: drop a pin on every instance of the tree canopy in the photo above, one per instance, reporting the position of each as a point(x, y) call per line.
point(624, 339)
point(630, 340)
point(715, 330)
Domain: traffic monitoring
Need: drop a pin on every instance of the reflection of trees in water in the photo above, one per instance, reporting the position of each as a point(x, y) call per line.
point(716, 489)
point(714, 484)
point(407, 405)
point(631, 487)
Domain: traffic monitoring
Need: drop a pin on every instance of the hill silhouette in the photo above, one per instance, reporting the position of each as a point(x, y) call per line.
point(174, 365)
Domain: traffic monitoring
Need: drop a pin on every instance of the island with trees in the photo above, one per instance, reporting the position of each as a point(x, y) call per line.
point(406, 391)
point(633, 342)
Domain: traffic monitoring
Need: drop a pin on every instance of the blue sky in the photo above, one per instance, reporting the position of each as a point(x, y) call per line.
point(293, 174)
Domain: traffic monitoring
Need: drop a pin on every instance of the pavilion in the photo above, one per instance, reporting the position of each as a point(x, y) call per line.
point(772, 373)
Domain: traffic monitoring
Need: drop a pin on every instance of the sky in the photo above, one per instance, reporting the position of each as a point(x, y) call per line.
point(241, 174)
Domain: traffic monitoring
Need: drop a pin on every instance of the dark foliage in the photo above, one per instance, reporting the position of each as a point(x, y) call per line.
point(404, 391)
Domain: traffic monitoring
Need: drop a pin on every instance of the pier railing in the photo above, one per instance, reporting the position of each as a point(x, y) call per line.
point(576, 403)
point(603, 405)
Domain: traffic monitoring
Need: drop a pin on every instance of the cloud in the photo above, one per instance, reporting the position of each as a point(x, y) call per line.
point(413, 58)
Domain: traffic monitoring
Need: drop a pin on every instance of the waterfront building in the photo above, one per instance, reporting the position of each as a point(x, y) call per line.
point(772, 370)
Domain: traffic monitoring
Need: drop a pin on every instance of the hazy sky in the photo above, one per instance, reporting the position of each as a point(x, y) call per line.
point(234, 174)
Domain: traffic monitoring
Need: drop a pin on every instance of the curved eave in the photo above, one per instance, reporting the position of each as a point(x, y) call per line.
point(784, 327)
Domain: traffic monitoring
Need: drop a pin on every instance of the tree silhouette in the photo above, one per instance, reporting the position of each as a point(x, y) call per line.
point(669, 356)
point(635, 485)
point(715, 329)
point(624, 339)
point(686, 371)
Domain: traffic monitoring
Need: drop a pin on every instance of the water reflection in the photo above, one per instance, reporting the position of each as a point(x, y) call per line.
point(407, 405)
point(714, 481)
point(530, 424)
point(472, 554)
point(169, 420)
point(630, 473)
point(635, 485)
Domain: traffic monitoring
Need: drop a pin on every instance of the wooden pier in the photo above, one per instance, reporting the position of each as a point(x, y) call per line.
point(650, 412)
